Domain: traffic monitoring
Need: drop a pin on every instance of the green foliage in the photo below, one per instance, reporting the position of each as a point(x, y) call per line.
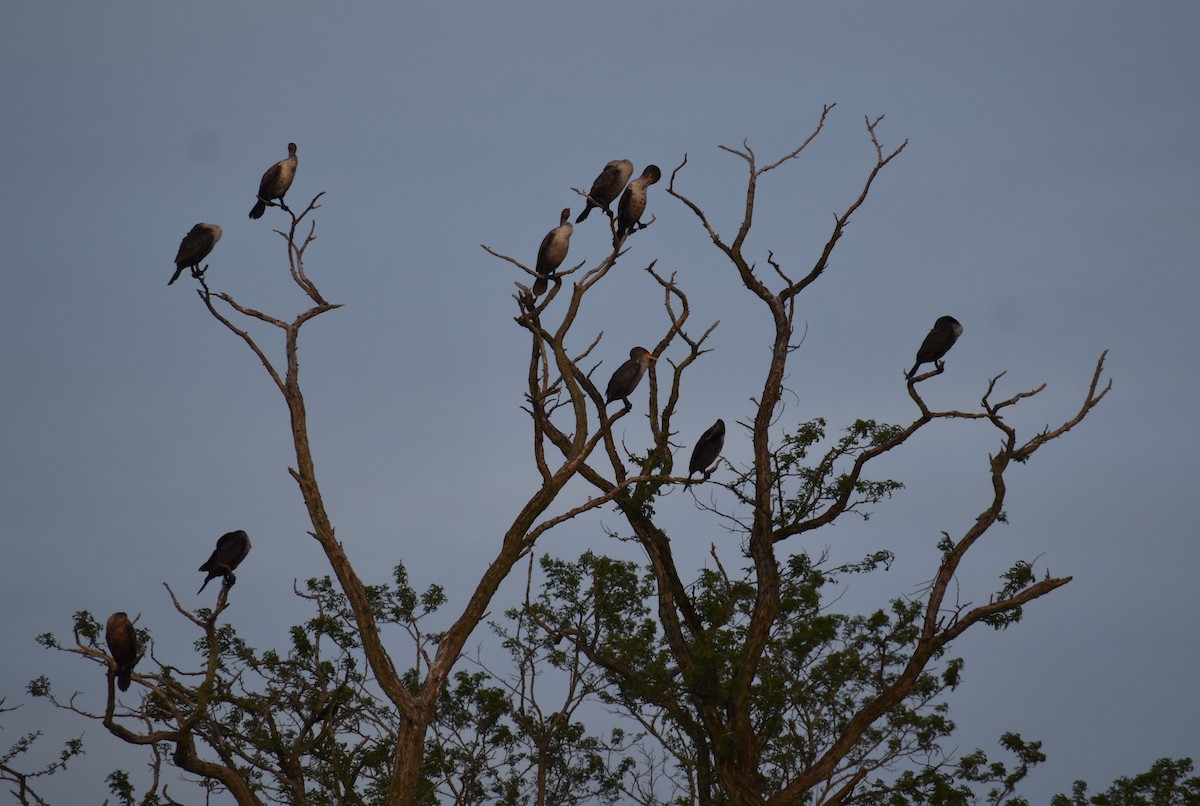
point(818, 670)
point(39, 686)
point(25, 781)
point(496, 739)
point(121, 787)
point(1166, 783)
point(1016, 579)
point(87, 627)
point(804, 491)
point(309, 724)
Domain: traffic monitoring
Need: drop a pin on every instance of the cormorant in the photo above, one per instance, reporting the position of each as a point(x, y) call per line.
point(232, 548)
point(628, 376)
point(938, 342)
point(707, 449)
point(633, 203)
point(607, 187)
point(275, 182)
point(553, 251)
point(194, 247)
point(122, 645)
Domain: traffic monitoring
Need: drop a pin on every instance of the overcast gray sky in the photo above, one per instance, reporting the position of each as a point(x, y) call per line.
point(1046, 199)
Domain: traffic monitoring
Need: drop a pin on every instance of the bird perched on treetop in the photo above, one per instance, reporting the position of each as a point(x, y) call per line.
point(232, 548)
point(122, 645)
point(707, 449)
point(275, 182)
point(607, 187)
point(938, 342)
point(628, 376)
point(633, 203)
point(194, 247)
point(553, 251)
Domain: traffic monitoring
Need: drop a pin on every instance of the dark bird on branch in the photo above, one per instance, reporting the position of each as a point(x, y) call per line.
point(633, 203)
point(194, 247)
point(553, 251)
point(938, 342)
point(232, 548)
point(607, 187)
point(122, 645)
point(628, 376)
point(275, 182)
point(707, 449)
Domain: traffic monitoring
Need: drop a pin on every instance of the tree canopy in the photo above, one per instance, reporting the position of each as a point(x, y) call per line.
point(612, 680)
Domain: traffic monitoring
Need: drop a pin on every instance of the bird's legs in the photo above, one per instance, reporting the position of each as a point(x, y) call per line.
point(637, 225)
point(276, 203)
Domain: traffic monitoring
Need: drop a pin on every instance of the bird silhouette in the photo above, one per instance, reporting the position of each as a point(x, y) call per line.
point(937, 343)
point(194, 247)
point(123, 646)
point(707, 449)
point(232, 548)
point(553, 251)
point(607, 187)
point(275, 182)
point(628, 376)
point(633, 204)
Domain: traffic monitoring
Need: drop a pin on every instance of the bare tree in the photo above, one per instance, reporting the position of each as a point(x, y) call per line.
point(22, 782)
point(780, 499)
point(742, 698)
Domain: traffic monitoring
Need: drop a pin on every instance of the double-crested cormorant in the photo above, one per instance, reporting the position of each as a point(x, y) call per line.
point(938, 342)
point(232, 548)
point(553, 251)
point(707, 449)
point(194, 247)
point(607, 187)
point(628, 376)
point(633, 203)
point(122, 645)
point(275, 182)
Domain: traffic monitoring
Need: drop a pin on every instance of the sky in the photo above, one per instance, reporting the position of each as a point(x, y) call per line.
point(1045, 199)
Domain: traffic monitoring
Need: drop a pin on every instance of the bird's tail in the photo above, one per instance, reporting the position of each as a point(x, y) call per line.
point(539, 286)
point(258, 209)
point(124, 675)
point(175, 276)
point(587, 208)
point(912, 371)
point(205, 585)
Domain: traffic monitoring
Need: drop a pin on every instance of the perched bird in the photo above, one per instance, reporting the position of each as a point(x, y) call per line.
point(553, 251)
point(633, 203)
point(628, 376)
point(707, 449)
point(122, 645)
point(194, 247)
point(938, 342)
point(607, 187)
point(232, 548)
point(275, 182)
